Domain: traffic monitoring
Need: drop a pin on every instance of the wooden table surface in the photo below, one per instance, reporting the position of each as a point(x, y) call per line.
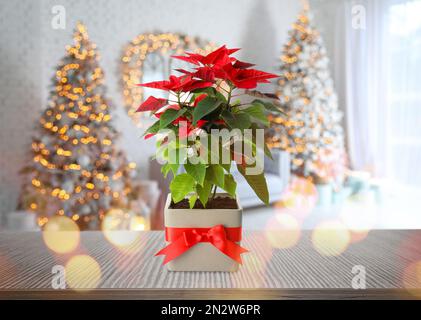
point(26, 265)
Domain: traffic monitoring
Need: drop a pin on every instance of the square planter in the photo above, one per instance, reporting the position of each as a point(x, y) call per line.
point(203, 256)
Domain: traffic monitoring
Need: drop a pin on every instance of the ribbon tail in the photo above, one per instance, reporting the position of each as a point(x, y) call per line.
point(233, 250)
point(173, 250)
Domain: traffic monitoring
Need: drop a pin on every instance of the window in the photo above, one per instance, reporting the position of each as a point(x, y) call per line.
point(404, 91)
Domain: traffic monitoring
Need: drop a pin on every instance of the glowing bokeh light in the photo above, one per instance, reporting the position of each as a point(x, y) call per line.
point(331, 238)
point(82, 273)
point(119, 228)
point(61, 234)
point(299, 199)
point(137, 223)
point(283, 231)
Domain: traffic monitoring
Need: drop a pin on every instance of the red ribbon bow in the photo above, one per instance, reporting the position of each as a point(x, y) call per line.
point(182, 239)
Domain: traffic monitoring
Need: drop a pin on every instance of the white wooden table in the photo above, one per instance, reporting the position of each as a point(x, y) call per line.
point(268, 272)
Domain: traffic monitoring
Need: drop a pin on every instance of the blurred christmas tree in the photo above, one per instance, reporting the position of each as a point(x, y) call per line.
point(76, 169)
point(311, 131)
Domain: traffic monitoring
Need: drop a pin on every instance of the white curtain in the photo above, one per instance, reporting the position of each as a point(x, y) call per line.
point(378, 69)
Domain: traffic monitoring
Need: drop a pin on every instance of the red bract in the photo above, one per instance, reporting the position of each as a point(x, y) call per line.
point(149, 135)
point(152, 104)
point(186, 127)
point(220, 57)
point(173, 106)
point(178, 84)
point(199, 98)
point(193, 58)
point(244, 78)
point(219, 121)
point(242, 65)
point(219, 65)
point(205, 73)
point(196, 84)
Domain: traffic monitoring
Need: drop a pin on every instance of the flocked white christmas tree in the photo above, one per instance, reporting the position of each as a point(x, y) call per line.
point(311, 131)
point(76, 169)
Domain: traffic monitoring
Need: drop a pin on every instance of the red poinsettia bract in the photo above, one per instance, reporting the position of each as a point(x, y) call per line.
point(184, 83)
point(209, 70)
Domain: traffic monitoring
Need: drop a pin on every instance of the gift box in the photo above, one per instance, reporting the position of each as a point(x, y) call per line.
point(202, 239)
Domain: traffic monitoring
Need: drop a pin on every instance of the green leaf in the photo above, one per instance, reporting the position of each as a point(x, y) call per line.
point(266, 149)
point(204, 192)
point(166, 168)
point(229, 184)
point(256, 111)
point(197, 171)
point(192, 200)
point(205, 107)
point(169, 116)
point(257, 183)
point(236, 121)
point(267, 152)
point(216, 175)
point(269, 106)
point(258, 94)
point(153, 128)
point(226, 166)
point(180, 186)
point(210, 91)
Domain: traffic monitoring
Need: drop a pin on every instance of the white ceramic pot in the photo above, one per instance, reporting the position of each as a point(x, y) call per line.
point(203, 256)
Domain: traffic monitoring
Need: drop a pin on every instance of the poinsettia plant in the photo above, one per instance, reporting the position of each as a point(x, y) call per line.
point(204, 100)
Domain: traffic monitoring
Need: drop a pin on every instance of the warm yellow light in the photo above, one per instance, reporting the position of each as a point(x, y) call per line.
point(36, 182)
point(90, 186)
point(83, 273)
point(138, 223)
point(331, 238)
point(74, 166)
point(61, 234)
point(42, 220)
point(119, 228)
point(106, 142)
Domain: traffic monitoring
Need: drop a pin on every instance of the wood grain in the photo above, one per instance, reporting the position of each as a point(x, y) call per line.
point(268, 272)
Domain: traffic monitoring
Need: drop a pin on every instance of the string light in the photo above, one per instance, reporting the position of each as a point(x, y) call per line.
point(136, 53)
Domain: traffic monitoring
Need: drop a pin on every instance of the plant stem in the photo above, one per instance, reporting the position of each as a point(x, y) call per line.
point(229, 96)
point(214, 192)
